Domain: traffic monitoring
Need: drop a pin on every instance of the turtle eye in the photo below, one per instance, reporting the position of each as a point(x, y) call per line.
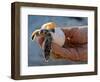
point(43, 31)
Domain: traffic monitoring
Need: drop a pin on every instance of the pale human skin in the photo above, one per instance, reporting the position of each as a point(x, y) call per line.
point(75, 47)
point(69, 53)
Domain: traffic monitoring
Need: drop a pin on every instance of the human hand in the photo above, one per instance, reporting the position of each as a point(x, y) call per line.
point(57, 51)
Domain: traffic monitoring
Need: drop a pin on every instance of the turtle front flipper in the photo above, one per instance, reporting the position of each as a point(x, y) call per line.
point(35, 33)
